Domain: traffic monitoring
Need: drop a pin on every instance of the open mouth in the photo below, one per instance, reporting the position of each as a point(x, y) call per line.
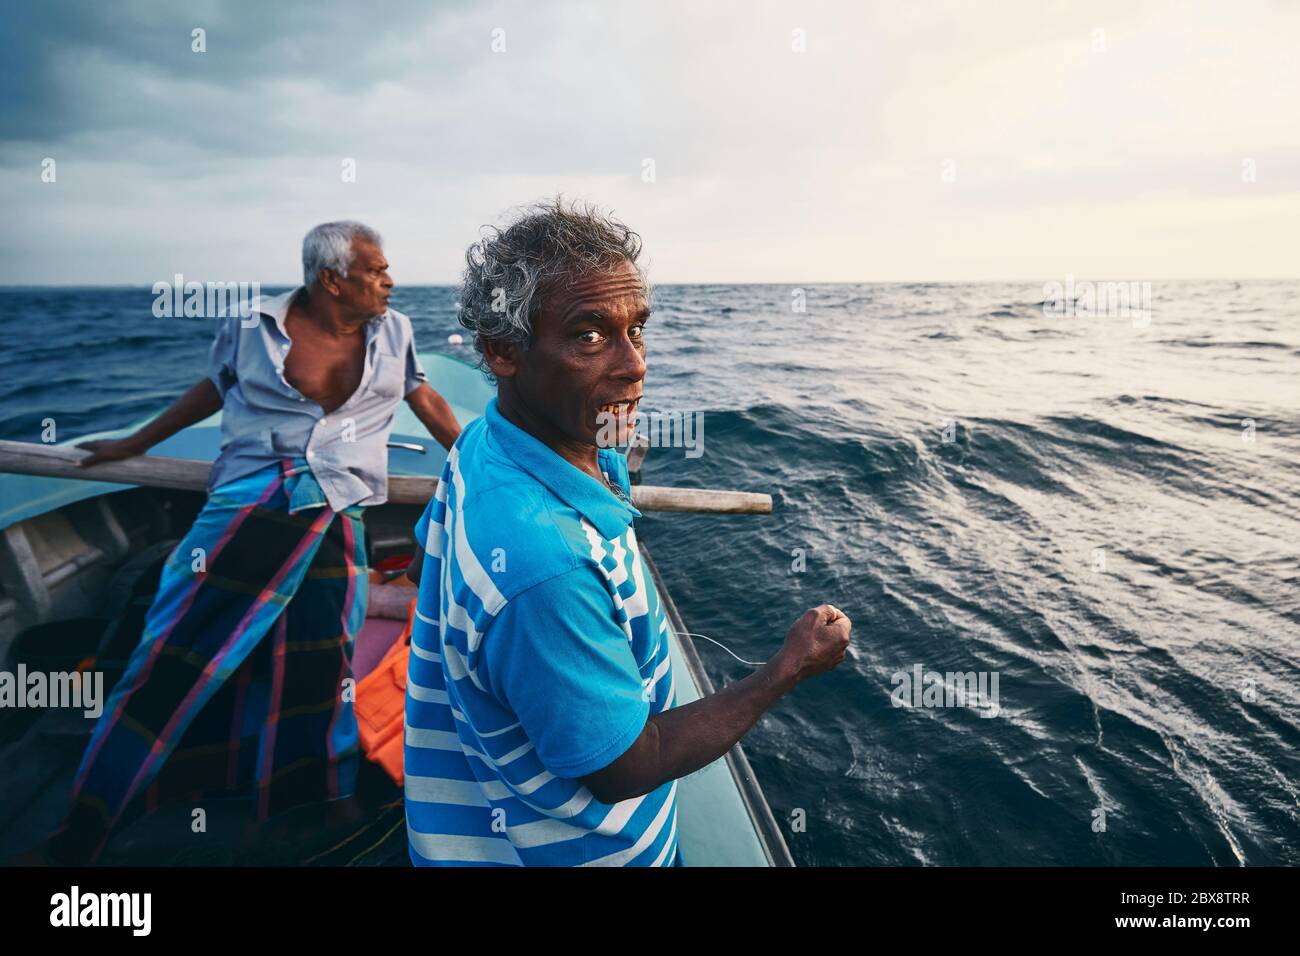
point(616, 422)
point(619, 409)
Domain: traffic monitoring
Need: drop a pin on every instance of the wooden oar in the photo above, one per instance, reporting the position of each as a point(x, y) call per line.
point(187, 474)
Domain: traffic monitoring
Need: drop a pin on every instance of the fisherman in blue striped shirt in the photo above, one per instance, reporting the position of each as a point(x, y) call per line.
point(541, 718)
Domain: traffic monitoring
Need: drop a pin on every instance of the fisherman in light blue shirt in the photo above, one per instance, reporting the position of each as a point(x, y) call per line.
point(541, 719)
point(238, 681)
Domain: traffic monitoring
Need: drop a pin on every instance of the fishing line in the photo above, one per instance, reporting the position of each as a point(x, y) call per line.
point(723, 646)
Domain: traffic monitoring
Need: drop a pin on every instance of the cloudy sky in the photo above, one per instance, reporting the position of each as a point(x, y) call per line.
point(783, 142)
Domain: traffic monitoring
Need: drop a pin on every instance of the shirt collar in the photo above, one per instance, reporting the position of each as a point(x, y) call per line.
point(277, 307)
point(585, 494)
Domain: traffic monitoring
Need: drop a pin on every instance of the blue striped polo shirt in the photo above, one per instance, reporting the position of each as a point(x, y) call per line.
point(539, 650)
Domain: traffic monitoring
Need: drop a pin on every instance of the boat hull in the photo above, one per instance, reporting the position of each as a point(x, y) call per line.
point(61, 540)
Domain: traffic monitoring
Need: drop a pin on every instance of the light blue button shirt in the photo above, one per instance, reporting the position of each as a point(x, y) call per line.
point(265, 419)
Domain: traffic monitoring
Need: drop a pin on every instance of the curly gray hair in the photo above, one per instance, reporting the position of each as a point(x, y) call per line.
point(509, 271)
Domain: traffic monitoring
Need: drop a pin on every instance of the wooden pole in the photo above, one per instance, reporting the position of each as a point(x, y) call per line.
point(187, 474)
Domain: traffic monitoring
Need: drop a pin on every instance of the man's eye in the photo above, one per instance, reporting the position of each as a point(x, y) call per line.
point(638, 331)
point(591, 336)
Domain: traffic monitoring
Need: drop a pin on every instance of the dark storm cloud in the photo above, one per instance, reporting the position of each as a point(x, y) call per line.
point(78, 69)
point(587, 88)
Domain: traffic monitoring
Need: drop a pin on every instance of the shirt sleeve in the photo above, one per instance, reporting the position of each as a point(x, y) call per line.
point(422, 525)
point(558, 658)
point(221, 357)
point(415, 376)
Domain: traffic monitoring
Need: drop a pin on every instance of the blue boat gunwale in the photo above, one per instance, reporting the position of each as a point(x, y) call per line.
point(751, 793)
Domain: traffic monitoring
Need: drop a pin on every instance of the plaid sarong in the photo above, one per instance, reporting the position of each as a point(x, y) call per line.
point(238, 683)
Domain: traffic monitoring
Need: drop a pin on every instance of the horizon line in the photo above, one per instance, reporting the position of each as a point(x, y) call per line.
point(426, 285)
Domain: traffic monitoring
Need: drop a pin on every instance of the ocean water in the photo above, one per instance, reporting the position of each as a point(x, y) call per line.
point(1101, 511)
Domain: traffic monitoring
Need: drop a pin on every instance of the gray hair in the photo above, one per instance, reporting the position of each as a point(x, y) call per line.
point(509, 271)
point(329, 246)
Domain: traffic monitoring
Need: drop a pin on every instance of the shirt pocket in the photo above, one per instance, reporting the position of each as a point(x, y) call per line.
point(276, 444)
point(388, 378)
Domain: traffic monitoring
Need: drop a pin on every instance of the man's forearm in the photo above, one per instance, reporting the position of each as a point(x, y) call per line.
point(681, 740)
point(196, 404)
point(435, 414)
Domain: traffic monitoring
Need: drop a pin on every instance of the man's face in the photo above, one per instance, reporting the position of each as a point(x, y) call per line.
point(587, 362)
point(364, 292)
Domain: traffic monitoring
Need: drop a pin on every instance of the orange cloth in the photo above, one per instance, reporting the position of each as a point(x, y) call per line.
point(381, 705)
